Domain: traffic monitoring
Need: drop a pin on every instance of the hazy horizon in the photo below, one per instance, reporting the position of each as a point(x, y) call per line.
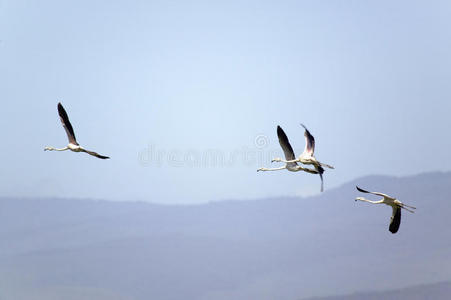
point(270, 197)
point(281, 248)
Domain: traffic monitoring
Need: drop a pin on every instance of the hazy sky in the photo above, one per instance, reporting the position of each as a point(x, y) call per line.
point(160, 86)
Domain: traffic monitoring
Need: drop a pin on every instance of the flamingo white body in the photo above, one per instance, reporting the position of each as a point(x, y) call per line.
point(307, 157)
point(73, 144)
point(289, 155)
point(395, 220)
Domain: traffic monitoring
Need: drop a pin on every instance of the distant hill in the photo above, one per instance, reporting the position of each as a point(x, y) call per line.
point(436, 291)
point(278, 248)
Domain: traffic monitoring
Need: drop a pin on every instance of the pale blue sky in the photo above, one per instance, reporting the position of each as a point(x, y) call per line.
point(370, 79)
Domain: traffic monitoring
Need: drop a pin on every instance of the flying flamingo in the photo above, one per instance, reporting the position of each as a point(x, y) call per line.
point(307, 157)
point(396, 205)
point(73, 145)
point(289, 155)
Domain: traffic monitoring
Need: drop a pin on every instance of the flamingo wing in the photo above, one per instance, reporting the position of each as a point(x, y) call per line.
point(309, 142)
point(286, 147)
point(66, 124)
point(395, 220)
